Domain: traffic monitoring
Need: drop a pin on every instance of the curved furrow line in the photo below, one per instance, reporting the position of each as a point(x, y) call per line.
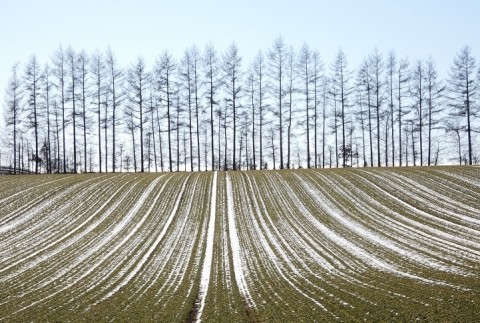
point(276, 259)
point(444, 185)
point(194, 224)
point(440, 204)
point(67, 262)
point(296, 270)
point(296, 201)
point(304, 252)
point(472, 181)
point(25, 207)
point(128, 272)
point(171, 240)
point(404, 250)
point(71, 234)
point(330, 233)
point(238, 257)
point(399, 228)
point(252, 242)
point(398, 272)
point(454, 244)
point(116, 230)
point(378, 233)
point(125, 247)
point(169, 277)
point(52, 275)
point(291, 204)
point(432, 220)
point(224, 300)
point(366, 254)
point(348, 276)
point(258, 253)
point(92, 239)
point(208, 258)
point(24, 185)
point(442, 231)
point(36, 233)
point(20, 202)
point(61, 267)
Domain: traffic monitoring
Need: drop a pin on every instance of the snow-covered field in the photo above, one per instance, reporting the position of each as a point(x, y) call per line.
point(299, 245)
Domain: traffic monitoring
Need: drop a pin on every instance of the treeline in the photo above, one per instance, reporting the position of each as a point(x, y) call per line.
point(206, 110)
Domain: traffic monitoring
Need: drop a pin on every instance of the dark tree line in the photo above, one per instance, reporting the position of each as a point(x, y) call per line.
point(209, 110)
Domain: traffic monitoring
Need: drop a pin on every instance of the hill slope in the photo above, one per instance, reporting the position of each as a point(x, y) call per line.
point(353, 244)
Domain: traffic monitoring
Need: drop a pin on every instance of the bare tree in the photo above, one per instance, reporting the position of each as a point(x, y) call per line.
point(403, 80)
point(325, 86)
point(186, 78)
point(454, 127)
point(232, 69)
point(259, 67)
point(196, 62)
point(250, 89)
point(83, 61)
point(165, 68)
point(290, 91)
point(13, 104)
point(72, 69)
point(462, 91)
point(32, 82)
point(115, 84)
point(99, 73)
point(418, 94)
point(391, 70)
point(138, 84)
point(319, 86)
point(59, 62)
point(341, 83)
point(277, 71)
point(362, 102)
point(47, 90)
point(434, 94)
point(212, 85)
point(376, 65)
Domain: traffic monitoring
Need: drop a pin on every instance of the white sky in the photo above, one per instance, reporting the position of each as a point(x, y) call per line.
point(414, 28)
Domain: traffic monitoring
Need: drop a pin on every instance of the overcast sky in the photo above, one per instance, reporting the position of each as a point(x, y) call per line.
point(413, 28)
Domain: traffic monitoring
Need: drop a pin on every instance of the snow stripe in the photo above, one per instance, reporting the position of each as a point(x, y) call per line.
point(238, 266)
point(207, 262)
point(147, 255)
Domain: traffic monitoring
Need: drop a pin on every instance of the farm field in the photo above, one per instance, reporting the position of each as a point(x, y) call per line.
point(392, 244)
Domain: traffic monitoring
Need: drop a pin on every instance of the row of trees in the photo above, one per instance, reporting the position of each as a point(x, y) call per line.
point(82, 112)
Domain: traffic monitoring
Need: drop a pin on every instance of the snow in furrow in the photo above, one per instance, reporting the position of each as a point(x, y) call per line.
point(415, 190)
point(447, 224)
point(104, 257)
point(407, 231)
point(24, 217)
point(207, 262)
point(461, 178)
point(446, 187)
point(147, 255)
point(189, 228)
point(103, 275)
point(85, 251)
point(171, 244)
point(261, 226)
point(238, 266)
point(25, 191)
point(363, 254)
point(369, 235)
point(61, 246)
point(35, 233)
